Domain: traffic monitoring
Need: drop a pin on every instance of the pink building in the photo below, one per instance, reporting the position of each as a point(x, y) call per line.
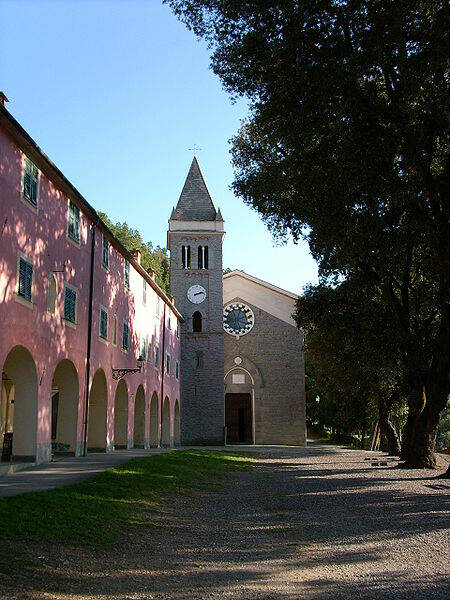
point(75, 308)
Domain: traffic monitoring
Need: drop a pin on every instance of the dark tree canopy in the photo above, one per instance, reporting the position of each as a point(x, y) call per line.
point(346, 144)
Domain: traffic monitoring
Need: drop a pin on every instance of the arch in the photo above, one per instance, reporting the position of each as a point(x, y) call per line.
point(65, 396)
point(52, 290)
point(98, 402)
point(197, 321)
point(176, 424)
point(139, 418)
point(19, 397)
point(165, 425)
point(154, 421)
point(121, 416)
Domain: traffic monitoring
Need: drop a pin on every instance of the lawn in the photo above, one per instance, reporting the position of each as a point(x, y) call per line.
point(95, 511)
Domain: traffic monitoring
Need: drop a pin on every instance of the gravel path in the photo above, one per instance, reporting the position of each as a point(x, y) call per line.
point(320, 522)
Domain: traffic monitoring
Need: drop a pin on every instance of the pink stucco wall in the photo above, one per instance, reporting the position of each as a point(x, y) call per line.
point(42, 237)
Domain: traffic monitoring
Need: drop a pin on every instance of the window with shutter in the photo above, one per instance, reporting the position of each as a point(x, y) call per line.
point(149, 351)
point(103, 324)
point(168, 364)
point(156, 356)
point(127, 275)
point(115, 330)
point(144, 291)
point(30, 182)
point(143, 348)
point(70, 305)
point(73, 222)
point(25, 282)
point(125, 337)
point(177, 367)
point(105, 252)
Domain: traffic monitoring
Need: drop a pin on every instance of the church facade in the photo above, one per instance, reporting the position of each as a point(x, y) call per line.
point(242, 364)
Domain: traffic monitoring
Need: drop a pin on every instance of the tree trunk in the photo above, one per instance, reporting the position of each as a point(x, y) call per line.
point(389, 440)
point(419, 450)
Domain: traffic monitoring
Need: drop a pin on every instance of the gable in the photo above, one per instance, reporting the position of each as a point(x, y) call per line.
point(273, 300)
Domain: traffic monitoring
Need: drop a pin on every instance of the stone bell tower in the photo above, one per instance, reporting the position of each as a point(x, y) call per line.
point(195, 237)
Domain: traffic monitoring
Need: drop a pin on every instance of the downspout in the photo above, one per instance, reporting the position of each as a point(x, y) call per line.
point(163, 366)
point(89, 341)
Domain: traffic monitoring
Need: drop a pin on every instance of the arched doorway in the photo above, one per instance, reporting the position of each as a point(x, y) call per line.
point(121, 416)
point(139, 419)
point(176, 424)
point(98, 402)
point(65, 394)
point(19, 397)
point(239, 406)
point(165, 434)
point(154, 421)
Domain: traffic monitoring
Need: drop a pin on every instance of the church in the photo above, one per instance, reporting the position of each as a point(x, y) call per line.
point(242, 364)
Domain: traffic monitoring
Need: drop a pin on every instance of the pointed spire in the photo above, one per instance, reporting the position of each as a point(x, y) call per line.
point(219, 215)
point(195, 203)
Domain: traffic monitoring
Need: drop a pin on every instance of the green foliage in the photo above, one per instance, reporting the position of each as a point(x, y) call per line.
point(443, 432)
point(97, 510)
point(152, 258)
point(346, 145)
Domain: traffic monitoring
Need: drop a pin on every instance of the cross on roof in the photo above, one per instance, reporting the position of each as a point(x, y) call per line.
point(195, 149)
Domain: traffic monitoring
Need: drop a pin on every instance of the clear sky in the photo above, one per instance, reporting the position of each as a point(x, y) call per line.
point(116, 92)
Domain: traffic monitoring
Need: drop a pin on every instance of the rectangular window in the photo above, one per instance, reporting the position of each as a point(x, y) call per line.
point(149, 350)
point(30, 182)
point(177, 369)
point(144, 291)
point(156, 356)
point(25, 279)
point(178, 328)
point(168, 364)
point(169, 323)
point(115, 330)
point(126, 275)
point(103, 324)
point(105, 252)
point(125, 337)
point(70, 305)
point(202, 257)
point(143, 347)
point(186, 257)
point(73, 222)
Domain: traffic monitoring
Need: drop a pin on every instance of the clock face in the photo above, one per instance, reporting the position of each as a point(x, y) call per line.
point(238, 319)
point(196, 294)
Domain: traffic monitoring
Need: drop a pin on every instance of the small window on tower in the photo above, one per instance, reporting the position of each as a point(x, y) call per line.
point(197, 321)
point(202, 257)
point(186, 257)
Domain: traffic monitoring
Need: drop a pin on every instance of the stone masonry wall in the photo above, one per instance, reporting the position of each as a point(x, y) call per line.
point(275, 349)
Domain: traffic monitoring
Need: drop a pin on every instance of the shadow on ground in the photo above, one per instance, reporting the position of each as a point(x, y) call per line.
point(312, 523)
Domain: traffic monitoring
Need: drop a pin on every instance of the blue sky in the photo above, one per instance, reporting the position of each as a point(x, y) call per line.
point(116, 92)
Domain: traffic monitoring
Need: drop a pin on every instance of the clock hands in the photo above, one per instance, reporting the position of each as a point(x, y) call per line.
point(199, 294)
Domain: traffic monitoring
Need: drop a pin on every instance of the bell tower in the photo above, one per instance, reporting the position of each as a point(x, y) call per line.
point(195, 238)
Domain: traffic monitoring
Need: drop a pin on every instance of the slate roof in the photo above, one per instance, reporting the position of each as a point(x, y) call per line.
point(195, 203)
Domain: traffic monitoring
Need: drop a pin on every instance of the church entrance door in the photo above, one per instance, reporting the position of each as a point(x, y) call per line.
point(238, 418)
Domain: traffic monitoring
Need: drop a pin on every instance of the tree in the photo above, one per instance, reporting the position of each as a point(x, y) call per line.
point(346, 144)
point(155, 259)
point(352, 346)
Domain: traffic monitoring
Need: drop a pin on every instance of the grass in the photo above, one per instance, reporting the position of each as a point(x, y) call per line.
point(97, 510)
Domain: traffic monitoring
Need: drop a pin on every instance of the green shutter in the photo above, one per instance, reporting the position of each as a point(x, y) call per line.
point(25, 279)
point(70, 301)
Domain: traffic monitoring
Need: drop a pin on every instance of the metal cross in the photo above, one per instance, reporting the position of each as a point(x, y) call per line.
point(195, 149)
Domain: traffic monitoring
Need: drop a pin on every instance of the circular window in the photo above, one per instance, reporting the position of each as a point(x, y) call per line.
point(238, 319)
